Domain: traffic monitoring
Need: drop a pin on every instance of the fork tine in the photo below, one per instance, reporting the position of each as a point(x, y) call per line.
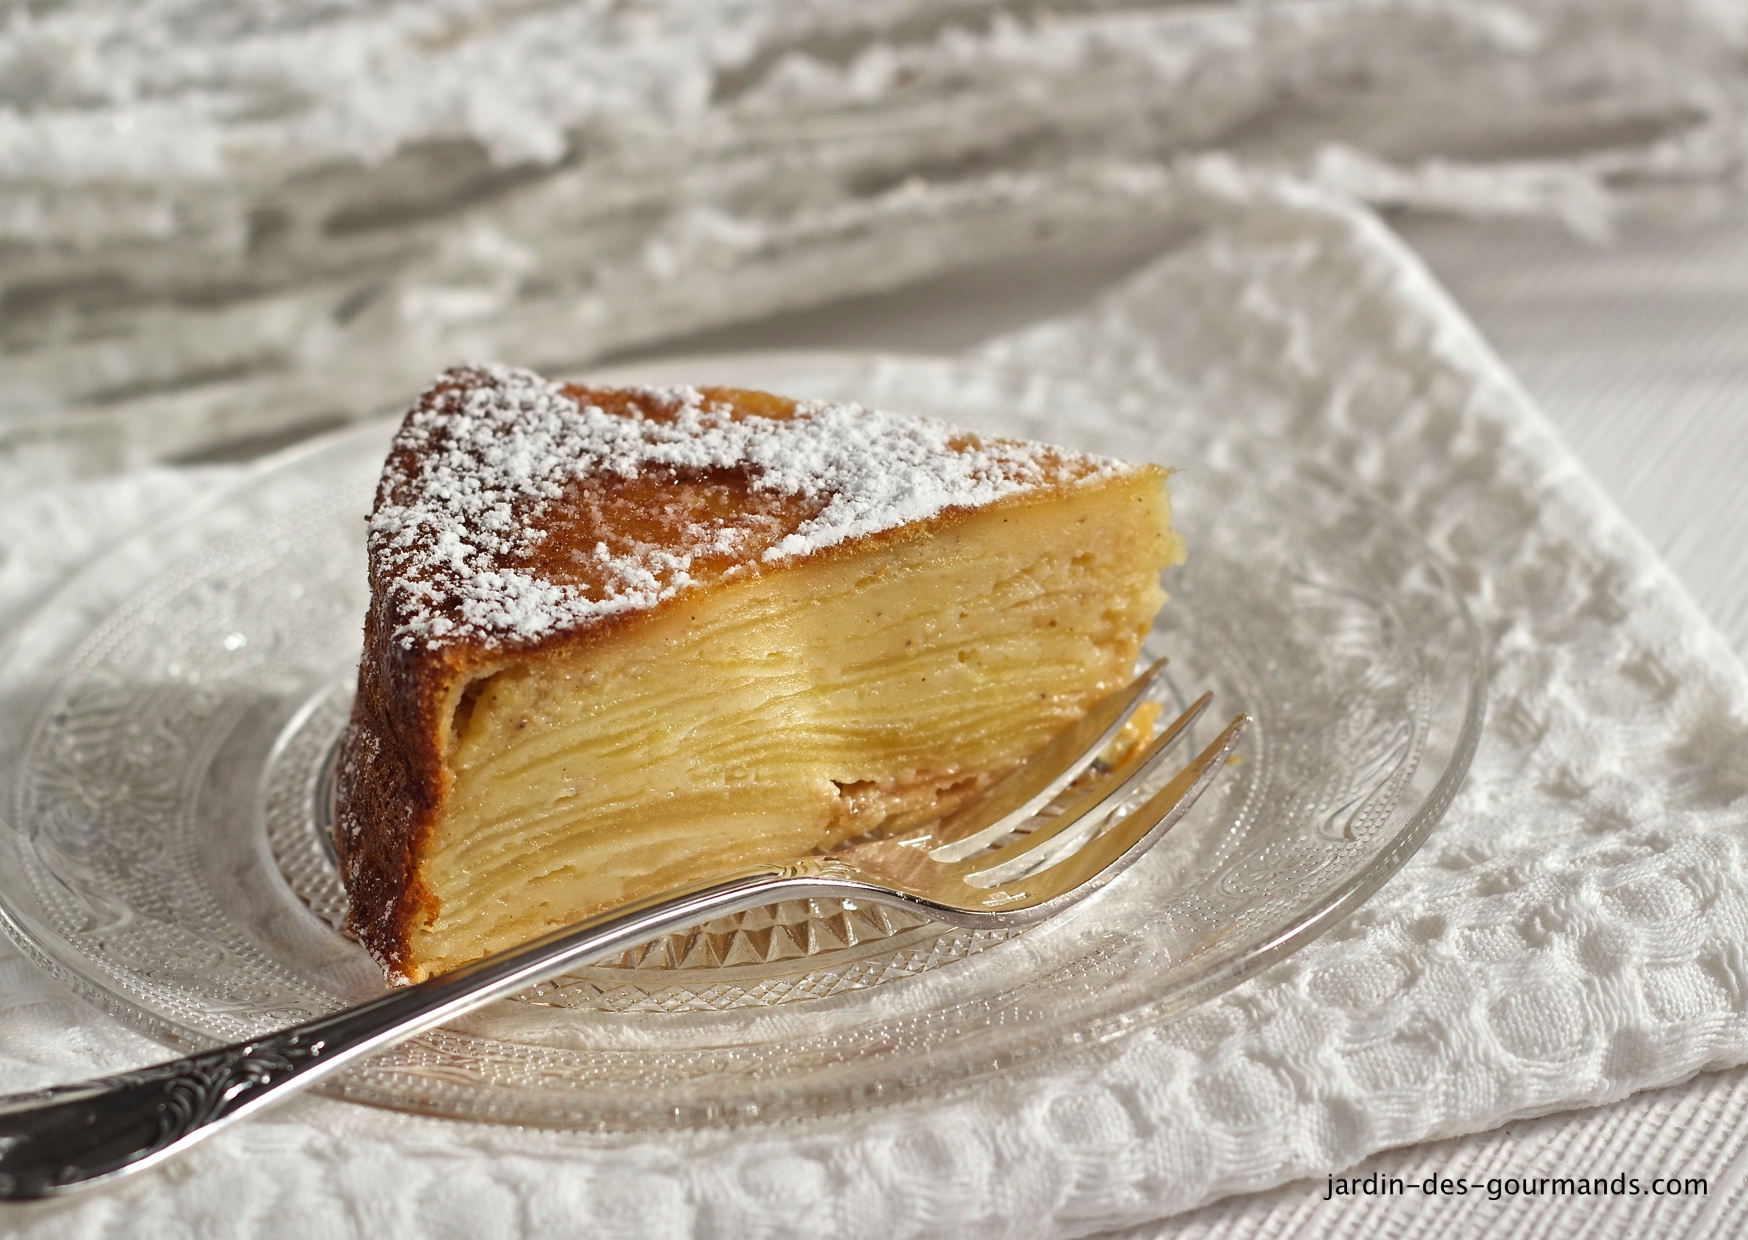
point(1043, 777)
point(1084, 812)
point(1107, 856)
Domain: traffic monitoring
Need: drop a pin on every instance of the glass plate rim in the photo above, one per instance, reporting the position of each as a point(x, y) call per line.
point(1353, 891)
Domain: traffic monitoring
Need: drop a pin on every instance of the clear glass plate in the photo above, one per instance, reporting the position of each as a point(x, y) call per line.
point(165, 722)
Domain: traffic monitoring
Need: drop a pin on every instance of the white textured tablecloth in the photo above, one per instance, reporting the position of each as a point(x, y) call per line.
point(1576, 931)
point(1638, 351)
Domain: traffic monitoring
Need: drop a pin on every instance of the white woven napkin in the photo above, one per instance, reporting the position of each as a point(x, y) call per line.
point(1573, 932)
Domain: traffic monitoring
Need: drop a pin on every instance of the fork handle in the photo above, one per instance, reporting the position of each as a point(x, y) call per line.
point(55, 1140)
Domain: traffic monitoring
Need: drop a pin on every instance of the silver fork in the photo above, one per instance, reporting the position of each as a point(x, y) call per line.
point(1088, 825)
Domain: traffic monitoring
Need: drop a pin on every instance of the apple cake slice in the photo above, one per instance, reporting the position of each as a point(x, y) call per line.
point(624, 638)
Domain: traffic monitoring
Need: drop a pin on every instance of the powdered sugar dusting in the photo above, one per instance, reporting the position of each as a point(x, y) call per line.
point(493, 459)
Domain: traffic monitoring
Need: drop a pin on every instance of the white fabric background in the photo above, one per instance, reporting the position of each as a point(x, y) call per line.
point(1635, 350)
point(1291, 1075)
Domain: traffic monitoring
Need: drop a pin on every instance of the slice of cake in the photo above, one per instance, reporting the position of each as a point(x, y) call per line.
point(622, 638)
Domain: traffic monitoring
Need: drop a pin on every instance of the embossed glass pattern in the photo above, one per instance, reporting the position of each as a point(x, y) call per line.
point(166, 720)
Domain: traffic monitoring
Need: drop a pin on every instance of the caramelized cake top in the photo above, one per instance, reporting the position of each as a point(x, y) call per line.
point(513, 509)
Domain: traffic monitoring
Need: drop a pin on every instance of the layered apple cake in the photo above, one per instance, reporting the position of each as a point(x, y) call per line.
point(624, 638)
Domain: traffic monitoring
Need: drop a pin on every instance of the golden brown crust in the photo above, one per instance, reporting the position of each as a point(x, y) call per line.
point(392, 777)
point(389, 789)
